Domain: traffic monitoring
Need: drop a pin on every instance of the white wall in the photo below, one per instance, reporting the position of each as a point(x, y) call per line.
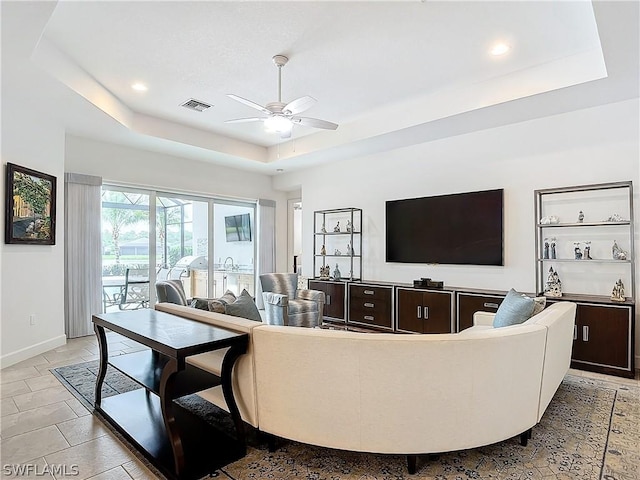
point(589, 146)
point(32, 275)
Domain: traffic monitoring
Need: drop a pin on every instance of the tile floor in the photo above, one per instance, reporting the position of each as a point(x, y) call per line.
point(44, 427)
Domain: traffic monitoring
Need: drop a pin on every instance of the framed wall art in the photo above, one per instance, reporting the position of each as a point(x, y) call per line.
point(30, 207)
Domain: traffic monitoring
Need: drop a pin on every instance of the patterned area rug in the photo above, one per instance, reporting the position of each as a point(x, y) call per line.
point(591, 431)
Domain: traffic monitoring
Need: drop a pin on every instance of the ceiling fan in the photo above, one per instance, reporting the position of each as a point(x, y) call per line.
point(281, 117)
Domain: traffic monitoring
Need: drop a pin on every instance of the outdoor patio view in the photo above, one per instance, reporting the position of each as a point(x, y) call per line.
point(182, 237)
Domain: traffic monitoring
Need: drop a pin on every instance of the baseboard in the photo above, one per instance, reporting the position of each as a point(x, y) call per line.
point(31, 351)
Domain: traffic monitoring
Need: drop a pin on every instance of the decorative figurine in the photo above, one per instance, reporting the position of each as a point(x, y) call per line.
point(576, 251)
point(615, 218)
point(549, 220)
point(617, 253)
point(545, 253)
point(323, 229)
point(617, 295)
point(337, 227)
point(553, 248)
point(323, 251)
point(580, 216)
point(336, 273)
point(587, 251)
point(337, 252)
point(553, 287)
point(349, 249)
point(325, 272)
point(349, 226)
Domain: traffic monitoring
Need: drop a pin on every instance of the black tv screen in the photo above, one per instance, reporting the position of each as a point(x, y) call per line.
point(458, 229)
point(238, 228)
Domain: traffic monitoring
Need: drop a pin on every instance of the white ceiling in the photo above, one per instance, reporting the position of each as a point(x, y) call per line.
point(390, 73)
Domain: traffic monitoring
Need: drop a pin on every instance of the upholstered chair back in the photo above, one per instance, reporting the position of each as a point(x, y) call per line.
point(171, 291)
point(282, 283)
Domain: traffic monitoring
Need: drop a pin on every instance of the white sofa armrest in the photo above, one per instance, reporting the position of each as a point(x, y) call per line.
point(483, 318)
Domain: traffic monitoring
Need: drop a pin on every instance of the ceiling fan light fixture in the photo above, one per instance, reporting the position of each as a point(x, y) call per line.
point(278, 123)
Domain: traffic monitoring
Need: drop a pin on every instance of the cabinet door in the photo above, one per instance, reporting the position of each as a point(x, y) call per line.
point(334, 297)
point(602, 336)
point(436, 312)
point(468, 304)
point(409, 310)
point(334, 307)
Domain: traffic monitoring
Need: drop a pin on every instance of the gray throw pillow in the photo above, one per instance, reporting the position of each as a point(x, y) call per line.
point(244, 307)
point(201, 303)
point(539, 304)
point(514, 309)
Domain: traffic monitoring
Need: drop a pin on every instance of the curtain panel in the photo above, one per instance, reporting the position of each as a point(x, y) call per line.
point(82, 253)
point(266, 243)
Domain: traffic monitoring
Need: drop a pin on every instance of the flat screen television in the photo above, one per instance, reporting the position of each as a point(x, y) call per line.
point(458, 229)
point(238, 228)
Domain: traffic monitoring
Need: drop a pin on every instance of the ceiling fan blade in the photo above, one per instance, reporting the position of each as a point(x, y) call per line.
point(248, 103)
point(299, 105)
point(244, 120)
point(315, 123)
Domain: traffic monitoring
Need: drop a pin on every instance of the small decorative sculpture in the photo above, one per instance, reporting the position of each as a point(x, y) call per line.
point(553, 248)
point(337, 252)
point(325, 272)
point(323, 229)
point(617, 253)
point(615, 218)
point(349, 226)
point(323, 251)
point(349, 249)
point(576, 251)
point(549, 220)
point(337, 227)
point(580, 216)
point(336, 273)
point(553, 287)
point(545, 253)
point(617, 295)
point(587, 251)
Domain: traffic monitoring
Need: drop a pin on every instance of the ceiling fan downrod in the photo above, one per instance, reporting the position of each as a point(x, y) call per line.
point(280, 61)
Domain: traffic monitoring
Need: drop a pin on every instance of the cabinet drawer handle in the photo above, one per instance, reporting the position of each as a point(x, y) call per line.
point(368, 317)
point(419, 314)
point(585, 333)
point(490, 305)
point(368, 292)
point(575, 332)
point(328, 297)
point(426, 313)
point(369, 305)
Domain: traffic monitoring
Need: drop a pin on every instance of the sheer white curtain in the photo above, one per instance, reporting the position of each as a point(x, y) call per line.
point(266, 243)
point(82, 253)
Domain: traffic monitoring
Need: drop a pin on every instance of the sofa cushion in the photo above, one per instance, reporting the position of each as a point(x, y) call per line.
point(514, 309)
point(244, 307)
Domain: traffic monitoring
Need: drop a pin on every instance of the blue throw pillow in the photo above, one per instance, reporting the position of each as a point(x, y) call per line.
point(515, 308)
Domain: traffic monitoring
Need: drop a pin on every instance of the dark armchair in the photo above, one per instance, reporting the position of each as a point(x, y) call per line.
point(286, 304)
point(171, 291)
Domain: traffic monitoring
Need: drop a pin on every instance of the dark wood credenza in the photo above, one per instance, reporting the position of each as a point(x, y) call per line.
point(604, 334)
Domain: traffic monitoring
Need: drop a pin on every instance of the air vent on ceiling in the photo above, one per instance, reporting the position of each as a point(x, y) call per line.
point(196, 105)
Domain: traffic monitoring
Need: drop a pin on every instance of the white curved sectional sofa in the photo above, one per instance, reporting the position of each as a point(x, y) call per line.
point(397, 393)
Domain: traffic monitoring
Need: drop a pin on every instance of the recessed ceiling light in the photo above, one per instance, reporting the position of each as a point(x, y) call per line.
point(499, 49)
point(140, 87)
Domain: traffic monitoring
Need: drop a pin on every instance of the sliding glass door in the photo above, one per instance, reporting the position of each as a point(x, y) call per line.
point(208, 244)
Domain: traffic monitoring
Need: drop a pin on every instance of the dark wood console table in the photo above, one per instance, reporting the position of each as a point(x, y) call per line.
point(176, 441)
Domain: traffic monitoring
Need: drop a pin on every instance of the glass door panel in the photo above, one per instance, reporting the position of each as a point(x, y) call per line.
point(125, 249)
point(182, 242)
point(234, 248)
